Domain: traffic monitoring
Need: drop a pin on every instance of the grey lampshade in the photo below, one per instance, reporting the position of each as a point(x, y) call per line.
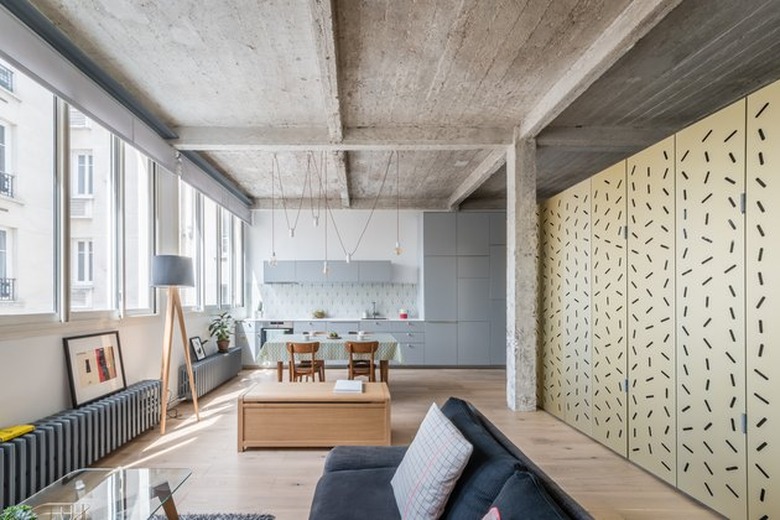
point(172, 271)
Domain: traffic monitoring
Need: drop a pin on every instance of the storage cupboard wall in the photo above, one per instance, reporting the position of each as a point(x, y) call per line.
point(670, 353)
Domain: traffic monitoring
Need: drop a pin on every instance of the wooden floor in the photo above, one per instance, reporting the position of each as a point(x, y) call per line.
point(281, 482)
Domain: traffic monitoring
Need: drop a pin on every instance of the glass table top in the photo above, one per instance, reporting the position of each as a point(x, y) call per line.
point(108, 493)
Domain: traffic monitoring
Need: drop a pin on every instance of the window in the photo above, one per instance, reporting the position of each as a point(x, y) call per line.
point(6, 179)
point(27, 149)
point(189, 239)
point(93, 180)
point(211, 248)
point(7, 292)
point(6, 78)
point(77, 119)
point(83, 171)
point(138, 233)
point(226, 258)
point(238, 262)
point(84, 257)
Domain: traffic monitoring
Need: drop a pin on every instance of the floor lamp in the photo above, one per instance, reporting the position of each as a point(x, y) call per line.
point(172, 272)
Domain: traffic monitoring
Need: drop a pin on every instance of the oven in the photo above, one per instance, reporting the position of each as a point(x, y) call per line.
point(274, 328)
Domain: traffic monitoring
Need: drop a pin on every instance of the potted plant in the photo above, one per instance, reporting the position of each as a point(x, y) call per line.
point(221, 327)
point(18, 513)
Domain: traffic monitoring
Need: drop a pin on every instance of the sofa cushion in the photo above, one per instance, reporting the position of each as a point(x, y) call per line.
point(488, 468)
point(432, 464)
point(355, 495)
point(523, 496)
point(364, 457)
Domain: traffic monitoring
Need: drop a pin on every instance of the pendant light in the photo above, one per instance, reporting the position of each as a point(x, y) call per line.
point(397, 249)
point(325, 190)
point(273, 260)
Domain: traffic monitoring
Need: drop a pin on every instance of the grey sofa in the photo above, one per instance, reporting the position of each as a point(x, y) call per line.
point(356, 480)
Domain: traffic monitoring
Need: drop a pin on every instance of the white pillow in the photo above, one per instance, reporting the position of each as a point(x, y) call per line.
point(430, 468)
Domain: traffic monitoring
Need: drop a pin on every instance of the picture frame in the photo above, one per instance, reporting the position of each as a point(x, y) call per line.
point(95, 366)
point(196, 344)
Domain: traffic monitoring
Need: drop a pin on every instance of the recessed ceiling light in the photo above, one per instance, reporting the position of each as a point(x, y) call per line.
point(461, 163)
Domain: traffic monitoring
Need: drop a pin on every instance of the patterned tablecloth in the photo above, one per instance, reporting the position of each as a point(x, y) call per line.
point(275, 349)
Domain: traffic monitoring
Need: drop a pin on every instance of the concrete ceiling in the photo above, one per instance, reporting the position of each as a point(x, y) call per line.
point(338, 85)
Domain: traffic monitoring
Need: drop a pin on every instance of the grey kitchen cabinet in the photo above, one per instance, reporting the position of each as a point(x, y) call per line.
point(375, 271)
point(474, 299)
point(308, 271)
point(498, 332)
point(497, 272)
point(473, 235)
point(473, 266)
point(473, 342)
point(412, 353)
point(439, 233)
point(343, 327)
point(340, 271)
point(498, 229)
point(440, 289)
point(282, 272)
point(441, 343)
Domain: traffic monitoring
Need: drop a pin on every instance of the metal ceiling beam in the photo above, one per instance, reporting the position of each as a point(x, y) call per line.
point(355, 139)
point(481, 173)
point(324, 28)
point(628, 28)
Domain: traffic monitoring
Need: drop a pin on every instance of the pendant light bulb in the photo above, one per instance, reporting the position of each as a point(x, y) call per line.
point(348, 259)
point(273, 261)
point(398, 249)
point(325, 268)
point(292, 232)
point(316, 219)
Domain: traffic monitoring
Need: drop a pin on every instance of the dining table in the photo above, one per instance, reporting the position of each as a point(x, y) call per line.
point(275, 349)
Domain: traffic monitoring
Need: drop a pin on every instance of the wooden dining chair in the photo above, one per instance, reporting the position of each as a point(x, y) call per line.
point(361, 359)
point(303, 363)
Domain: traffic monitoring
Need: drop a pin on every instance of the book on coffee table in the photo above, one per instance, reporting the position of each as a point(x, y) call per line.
point(348, 386)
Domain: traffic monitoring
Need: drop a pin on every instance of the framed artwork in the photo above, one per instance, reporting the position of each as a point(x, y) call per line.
point(197, 348)
point(95, 366)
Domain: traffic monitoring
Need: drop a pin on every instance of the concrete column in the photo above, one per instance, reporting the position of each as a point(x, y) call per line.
point(521, 295)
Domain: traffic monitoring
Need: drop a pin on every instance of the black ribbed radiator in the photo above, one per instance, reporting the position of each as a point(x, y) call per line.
point(210, 372)
point(74, 439)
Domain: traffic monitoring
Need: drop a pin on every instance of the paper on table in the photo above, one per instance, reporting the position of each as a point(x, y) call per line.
point(348, 386)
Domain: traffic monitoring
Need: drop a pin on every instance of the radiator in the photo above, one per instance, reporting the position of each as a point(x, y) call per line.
point(210, 372)
point(74, 439)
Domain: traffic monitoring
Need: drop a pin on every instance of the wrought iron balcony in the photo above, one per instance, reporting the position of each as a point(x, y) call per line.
point(7, 289)
point(7, 184)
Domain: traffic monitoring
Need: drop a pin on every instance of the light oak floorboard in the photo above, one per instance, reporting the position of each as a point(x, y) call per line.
point(282, 481)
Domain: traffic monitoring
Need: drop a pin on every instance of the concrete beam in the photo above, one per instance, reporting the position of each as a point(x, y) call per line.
point(324, 28)
point(318, 138)
point(628, 28)
point(481, 173)
point(382, 203)
point(600, 138)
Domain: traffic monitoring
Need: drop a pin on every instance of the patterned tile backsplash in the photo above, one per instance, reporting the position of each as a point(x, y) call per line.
point(338, 300)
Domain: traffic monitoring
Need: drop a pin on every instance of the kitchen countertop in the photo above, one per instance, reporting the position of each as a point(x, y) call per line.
point(332, 319)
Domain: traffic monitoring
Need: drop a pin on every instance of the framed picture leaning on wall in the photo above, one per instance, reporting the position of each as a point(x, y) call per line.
point(197, 348)
point(95, 366)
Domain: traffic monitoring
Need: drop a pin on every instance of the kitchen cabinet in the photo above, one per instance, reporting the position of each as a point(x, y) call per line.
point(439, 233)
point(497, 272)
point(375, 271)
point(441, 343)
point(498, 229)
point(473, 342)
point(282, 272)
point(498, 332)
point(440, 289)
point(474, 299)
point(413, 353)
point(473, 233)
point(473, 266)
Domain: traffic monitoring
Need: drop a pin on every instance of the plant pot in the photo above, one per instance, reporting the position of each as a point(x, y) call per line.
point(223, 345)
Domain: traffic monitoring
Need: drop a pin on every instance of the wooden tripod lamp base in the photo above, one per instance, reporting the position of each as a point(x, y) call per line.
point(171, 272)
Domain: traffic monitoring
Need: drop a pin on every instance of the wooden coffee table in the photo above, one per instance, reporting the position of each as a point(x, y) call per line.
point(311, 415)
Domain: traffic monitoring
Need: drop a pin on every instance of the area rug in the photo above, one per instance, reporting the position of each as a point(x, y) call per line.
point(222, 516)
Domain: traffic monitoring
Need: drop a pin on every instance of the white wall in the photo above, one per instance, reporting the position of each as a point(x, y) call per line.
point(309, 243)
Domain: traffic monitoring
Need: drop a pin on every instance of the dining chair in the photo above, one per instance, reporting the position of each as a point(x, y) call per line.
point(361, 359)
point(300, 366)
